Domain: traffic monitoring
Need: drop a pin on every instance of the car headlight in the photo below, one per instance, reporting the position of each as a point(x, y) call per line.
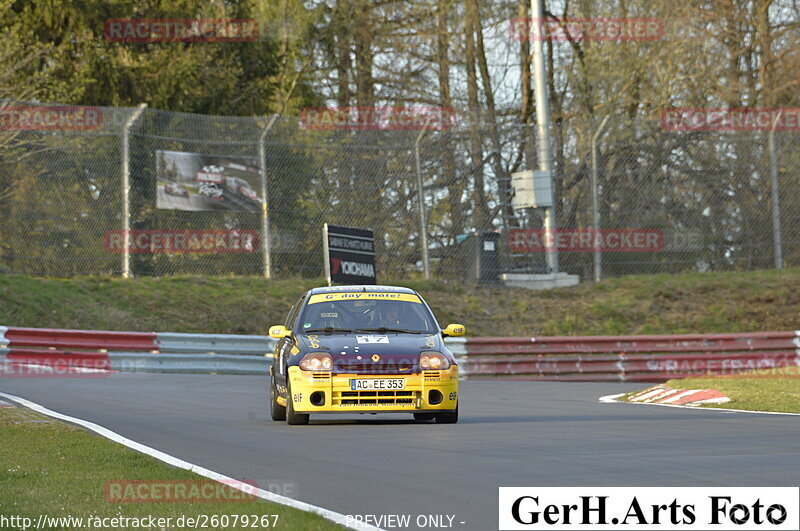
point(316, 361)
point(433, 361)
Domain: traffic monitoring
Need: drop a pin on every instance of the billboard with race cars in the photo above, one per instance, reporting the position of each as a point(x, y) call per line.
point(195, 181)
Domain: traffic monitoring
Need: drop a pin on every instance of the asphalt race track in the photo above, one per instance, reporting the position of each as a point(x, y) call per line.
point(511, 433)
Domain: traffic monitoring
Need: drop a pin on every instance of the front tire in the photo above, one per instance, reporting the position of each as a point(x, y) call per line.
point(447, 418)
point(292, 418)
point(276, 411)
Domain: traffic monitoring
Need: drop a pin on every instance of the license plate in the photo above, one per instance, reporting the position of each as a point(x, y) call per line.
point(378, 384)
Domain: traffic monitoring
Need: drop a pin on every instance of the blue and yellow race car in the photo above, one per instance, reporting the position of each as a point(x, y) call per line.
point(364, 349)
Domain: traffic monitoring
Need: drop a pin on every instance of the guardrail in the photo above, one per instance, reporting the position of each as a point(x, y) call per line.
point(83, 352)
point(189, 363)
point(90, 339)
point(217, 343)
point(630, 358)
point(590, 358)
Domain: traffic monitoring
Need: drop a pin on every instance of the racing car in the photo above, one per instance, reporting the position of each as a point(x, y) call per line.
point(240, 186)
point(175, 189)
point(364, 349)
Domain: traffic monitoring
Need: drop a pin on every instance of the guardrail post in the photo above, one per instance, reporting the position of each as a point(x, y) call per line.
point(262, 160)
point(126, 191)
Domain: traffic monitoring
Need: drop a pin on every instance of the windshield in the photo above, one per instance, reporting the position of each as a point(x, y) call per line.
point(361, 312)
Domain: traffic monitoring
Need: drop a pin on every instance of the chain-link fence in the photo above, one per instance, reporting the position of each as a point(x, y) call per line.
point(248, 196)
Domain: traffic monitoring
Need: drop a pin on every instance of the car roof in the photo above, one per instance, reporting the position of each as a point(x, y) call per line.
point(364, 288)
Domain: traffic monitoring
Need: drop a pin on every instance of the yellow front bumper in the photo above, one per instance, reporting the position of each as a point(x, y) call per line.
point(420, 394)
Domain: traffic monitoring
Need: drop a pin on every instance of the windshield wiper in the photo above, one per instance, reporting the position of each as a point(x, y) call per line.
point(385, 330)
point(329, 330)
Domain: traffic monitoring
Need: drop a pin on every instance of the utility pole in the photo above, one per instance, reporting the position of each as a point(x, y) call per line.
point(265, 236)
point(126, 190)
point(776, 208)
point(545, 158)
point(598, 259)
point(423, 225)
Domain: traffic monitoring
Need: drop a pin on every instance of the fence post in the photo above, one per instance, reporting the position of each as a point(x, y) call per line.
point(598, 259)
point(776, 208)
point(423, 225)
point(126, 190)
point(262, 159)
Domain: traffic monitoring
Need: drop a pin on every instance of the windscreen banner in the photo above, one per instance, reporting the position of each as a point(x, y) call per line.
point(349, 255)
point(198, 182)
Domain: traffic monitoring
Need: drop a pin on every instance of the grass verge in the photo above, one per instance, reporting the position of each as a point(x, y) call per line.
point(56, 470)
point(655, 304)
point(762, 390)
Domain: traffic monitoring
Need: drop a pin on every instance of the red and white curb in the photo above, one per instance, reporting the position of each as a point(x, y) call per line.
point(661, 394)
point(684, 399)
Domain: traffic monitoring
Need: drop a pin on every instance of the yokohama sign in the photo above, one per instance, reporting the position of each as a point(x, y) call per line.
point(349, 255)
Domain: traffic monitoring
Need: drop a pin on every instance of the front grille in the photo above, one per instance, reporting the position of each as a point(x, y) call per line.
point(374, 368)
point(374, 398)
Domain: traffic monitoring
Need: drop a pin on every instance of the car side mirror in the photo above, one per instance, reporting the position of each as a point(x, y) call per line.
point(279, 332)
point(454, 330)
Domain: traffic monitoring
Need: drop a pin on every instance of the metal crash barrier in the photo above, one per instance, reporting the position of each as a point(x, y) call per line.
point(590, 358)
point(41, 351)
point(630, 358)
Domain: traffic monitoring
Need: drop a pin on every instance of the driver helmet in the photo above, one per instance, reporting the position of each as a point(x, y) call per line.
point(392, 313)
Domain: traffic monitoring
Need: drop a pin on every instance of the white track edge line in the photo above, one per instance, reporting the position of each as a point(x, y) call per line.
point(180, 463)
point(612, 399)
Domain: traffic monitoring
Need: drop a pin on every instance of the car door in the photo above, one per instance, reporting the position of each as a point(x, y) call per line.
point(283, 349)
